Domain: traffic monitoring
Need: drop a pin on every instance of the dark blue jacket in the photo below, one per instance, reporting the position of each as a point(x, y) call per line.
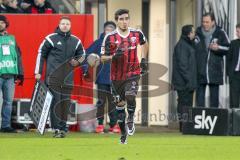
point(103, 70)
point(210, 64)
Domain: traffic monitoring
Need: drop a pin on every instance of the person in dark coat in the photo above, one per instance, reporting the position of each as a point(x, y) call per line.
point(104, 84)
point(10, 6)
point(37, 7)
point(212, 45)
point(184, 75)
point(62, 51)
point(3, 6)
point(233, 70)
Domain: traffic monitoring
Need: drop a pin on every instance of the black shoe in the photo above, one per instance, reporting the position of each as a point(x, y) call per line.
point(123, 139)
point(8, 130)
point(59, 134)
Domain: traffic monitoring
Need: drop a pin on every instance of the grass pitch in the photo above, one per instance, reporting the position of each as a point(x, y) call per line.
point(79, 146)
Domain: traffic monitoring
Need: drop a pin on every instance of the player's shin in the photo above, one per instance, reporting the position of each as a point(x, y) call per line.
point(131, 106)
point(121, 115)
point(131, 111)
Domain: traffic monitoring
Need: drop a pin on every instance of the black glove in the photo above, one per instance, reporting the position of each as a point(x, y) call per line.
point(143, 66)
point(118, 54)
point(20, 78)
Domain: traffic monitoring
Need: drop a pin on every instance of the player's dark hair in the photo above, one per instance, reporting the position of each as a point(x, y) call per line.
point(121, 12)
point(109, 23)
point(187, 29)
point(209, 14)
point(5, 20)
point(238, 25)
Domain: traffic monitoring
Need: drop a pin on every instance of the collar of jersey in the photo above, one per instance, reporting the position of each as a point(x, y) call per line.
point(122, 35)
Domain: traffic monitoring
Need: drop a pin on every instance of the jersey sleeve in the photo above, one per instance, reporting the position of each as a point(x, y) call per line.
point(142, 38)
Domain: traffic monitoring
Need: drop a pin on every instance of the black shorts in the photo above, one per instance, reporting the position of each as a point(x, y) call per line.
point(126, 87)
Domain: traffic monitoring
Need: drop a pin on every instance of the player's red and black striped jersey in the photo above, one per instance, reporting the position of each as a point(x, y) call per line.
point(126, 65)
